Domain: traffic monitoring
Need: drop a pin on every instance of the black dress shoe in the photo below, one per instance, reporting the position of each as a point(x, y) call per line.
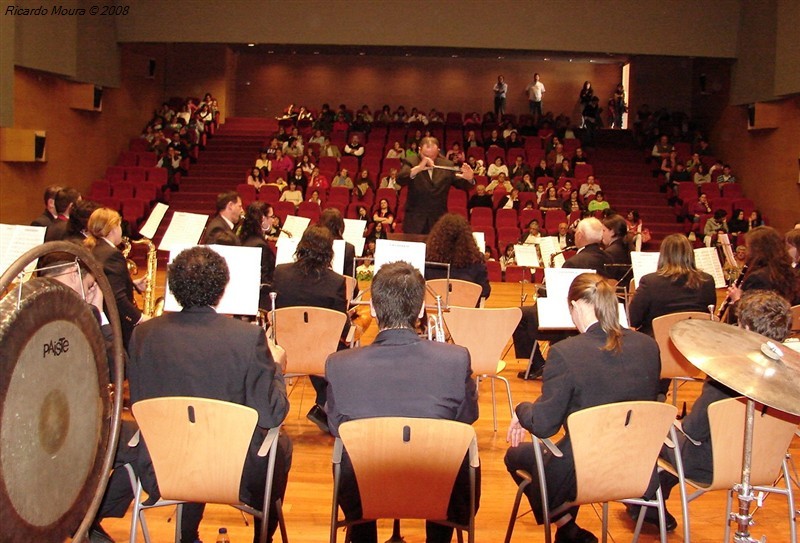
point(98, 535)
point(534, 374)
point(318, 416)
point(651, 516)
point(572, 533)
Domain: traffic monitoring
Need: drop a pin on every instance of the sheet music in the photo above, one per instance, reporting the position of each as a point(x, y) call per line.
point(294, 227)
point(337, 264)
point(154, 220)
point(707, 259)
point(643, 263)
point(554, 314)
point(549, 246)
point(727, 250)
point(16, 240)
point(525, 255)
point(480, 240)
point(389, 250)
point(241, 294)
point(354, 233)
point(184, 230)
point(286, 247)
point(558, 280)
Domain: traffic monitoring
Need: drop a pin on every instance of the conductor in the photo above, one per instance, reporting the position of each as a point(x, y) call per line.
point(429, 179)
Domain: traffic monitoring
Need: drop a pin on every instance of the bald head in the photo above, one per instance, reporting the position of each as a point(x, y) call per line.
point(589, 231)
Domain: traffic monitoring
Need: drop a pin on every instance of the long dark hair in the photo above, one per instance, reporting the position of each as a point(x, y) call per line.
point(766, 250)
point(315, 251)
point(676, 261)
point(451, 241)
point(253, 218)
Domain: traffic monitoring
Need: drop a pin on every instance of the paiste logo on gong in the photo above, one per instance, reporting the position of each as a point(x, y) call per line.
point(55, 347)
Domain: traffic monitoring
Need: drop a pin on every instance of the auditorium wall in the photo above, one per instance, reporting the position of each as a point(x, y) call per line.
point(765, 161)
point(265, 84)
point(80, 144)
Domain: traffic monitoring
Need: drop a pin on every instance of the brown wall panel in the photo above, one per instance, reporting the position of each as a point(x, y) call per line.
point(267, 83)
point(765, 161)
point(80, 144)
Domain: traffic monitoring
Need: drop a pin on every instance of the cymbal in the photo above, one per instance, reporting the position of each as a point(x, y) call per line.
point(742, 360)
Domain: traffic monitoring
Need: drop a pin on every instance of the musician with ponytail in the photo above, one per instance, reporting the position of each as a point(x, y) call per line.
point(604, 364)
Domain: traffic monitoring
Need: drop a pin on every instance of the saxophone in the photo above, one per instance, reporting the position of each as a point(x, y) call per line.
point(152, 307)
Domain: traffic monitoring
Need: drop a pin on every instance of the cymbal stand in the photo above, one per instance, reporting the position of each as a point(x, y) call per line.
point(743, 518)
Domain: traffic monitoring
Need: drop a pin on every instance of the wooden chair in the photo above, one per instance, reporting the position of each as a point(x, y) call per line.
point(454, 292)
point(183, 438)
point(773, 431)
point(309, 335)
point(674, 365)
point(796, 320)
point(406, 468)
point(615, 448)
point(485, 334)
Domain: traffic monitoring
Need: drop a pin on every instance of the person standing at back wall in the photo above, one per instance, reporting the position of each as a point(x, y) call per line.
point(535, 91)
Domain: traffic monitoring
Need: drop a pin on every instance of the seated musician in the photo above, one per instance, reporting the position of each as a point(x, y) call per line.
point(604, 364)
point(760, 311)
point(197, 352)
point(393, 377)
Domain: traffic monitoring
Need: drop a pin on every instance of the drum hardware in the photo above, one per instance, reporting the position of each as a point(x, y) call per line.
point(747, 363)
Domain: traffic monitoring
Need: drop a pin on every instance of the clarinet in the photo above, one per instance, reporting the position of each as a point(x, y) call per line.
point(725, 303)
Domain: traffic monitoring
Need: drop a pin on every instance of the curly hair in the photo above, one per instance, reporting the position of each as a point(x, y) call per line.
point(451, 241)
point(256, 212)
point(315, 250)
point(198, 277)
point(766, 250)
point(765, 313)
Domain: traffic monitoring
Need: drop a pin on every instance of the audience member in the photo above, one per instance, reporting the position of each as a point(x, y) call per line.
point(589, 188)
point(343, 180)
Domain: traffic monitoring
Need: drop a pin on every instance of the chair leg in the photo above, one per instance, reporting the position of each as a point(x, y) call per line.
point(728, 515)
point(178, 522)
point(494, 407)
point(460, 536)
point(605, 522)
point(514, 510)
point(282, 521)
point(662, 516)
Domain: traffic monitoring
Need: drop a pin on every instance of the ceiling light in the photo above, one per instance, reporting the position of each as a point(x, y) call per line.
point(251, 45)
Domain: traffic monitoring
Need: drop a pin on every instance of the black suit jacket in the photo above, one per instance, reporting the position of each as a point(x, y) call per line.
point(592, 257)
point(267, 268)
point(216, 224)
point(326, 290)
point(400, 375)
point(657, 295)
point(427, 198)
point(57, 230)
point(116, 270)
point(474, 273)
point(620, 254)
point(198, 353)
point(45, 219)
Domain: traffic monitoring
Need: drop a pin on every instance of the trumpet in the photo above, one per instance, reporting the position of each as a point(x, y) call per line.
point(436, 323)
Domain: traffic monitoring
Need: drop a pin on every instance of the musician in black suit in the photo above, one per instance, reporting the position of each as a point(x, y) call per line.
point(677, 285)
point(259, 220)
point(762, 312)
point(331, 218)
point(64, 201)
point(588, 235)
point(104, 233)
point(49, 214)
point(229, 212)
point(310, 281)
point(615, 229)
point(400, 375)
point(428, 186)
point(198, 353)
point(604, 364)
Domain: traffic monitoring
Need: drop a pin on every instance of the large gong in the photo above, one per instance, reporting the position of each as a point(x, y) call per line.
point(59, 417)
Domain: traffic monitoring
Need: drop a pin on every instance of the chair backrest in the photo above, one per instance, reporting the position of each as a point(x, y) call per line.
point(616, 446)
point(673, 363)
point(309, 335)
point(183, 437)
point(461, 293)
point(406, 467)
point(484, 332)
point(773, 431)
point(796, 318)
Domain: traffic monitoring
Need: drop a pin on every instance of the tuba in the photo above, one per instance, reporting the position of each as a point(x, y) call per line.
point(152, 307)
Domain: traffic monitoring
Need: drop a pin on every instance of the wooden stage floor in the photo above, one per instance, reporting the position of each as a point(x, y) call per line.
point(308, 497)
